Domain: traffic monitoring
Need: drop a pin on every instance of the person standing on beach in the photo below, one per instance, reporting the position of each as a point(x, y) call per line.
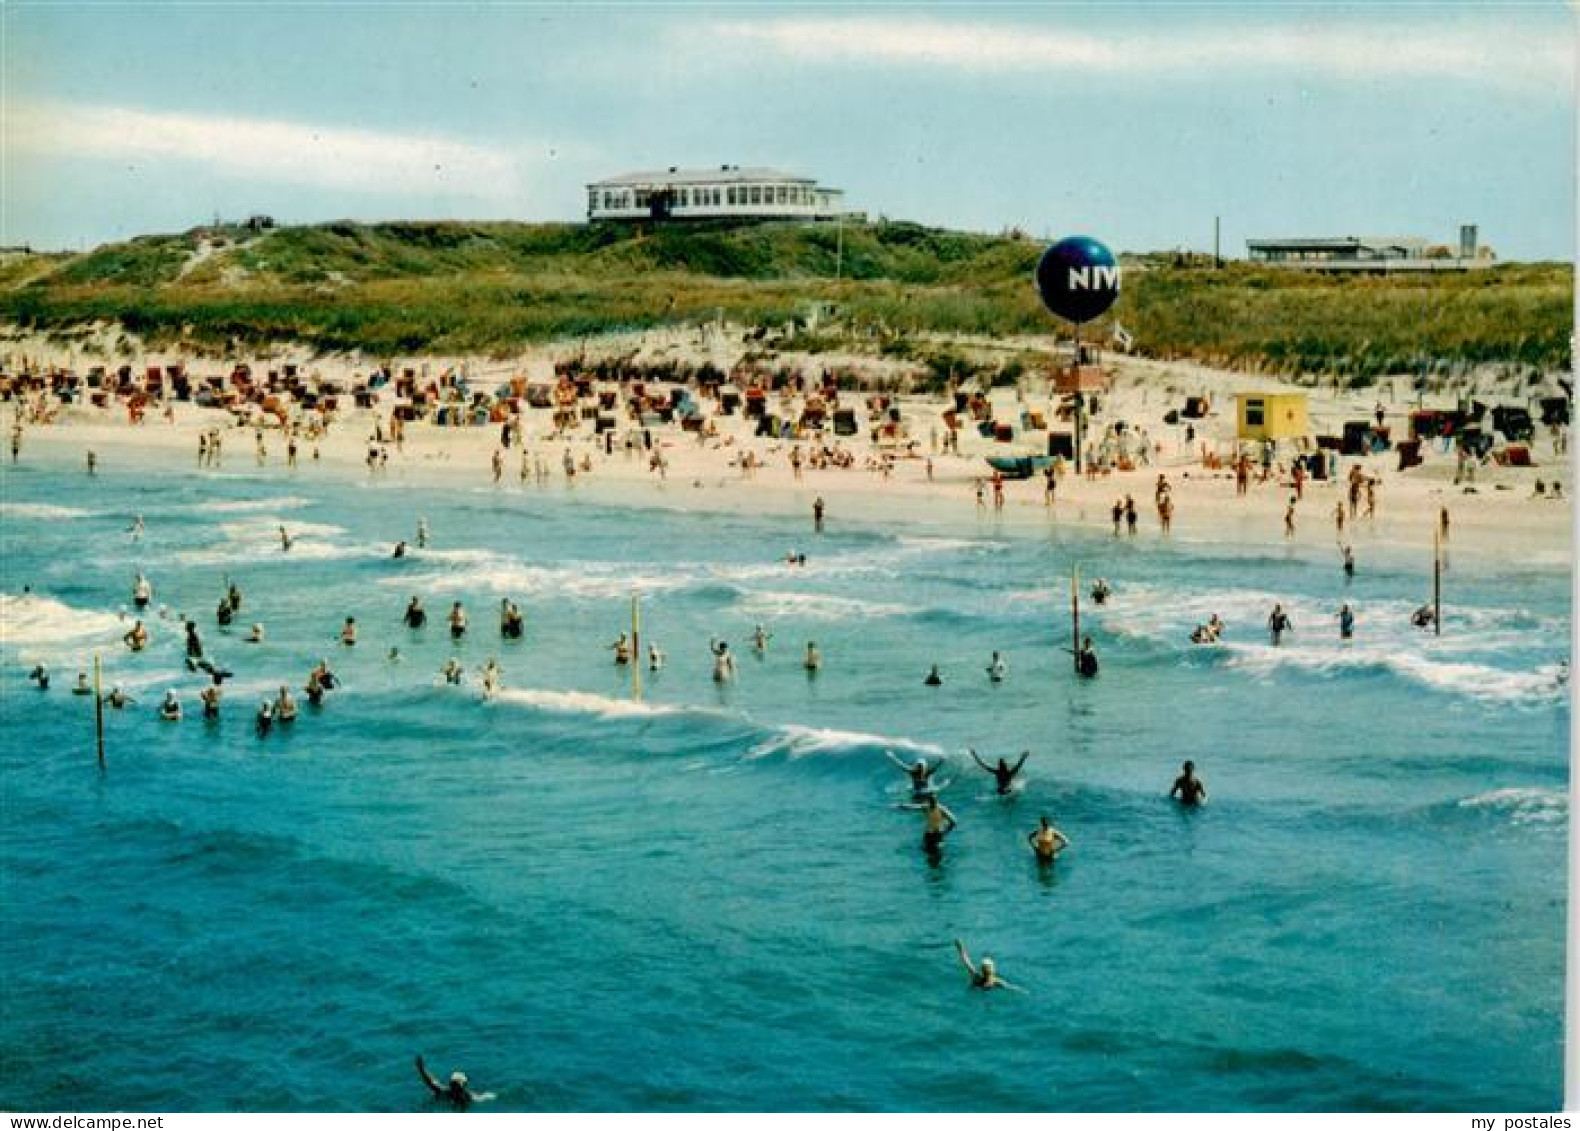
point(499, 466)
point(1050, 484)
point(1349, 562)
point(1117, 512)
point(1338, 517)
point(1130, 515)
point(1289, 519)
point(16, 441)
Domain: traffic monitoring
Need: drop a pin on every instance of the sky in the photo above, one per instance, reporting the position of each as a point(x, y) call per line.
point(1136, 123)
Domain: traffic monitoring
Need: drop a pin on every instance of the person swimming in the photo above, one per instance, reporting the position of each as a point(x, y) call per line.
point(451, 671)
point(136, 637)
point(457, 621)
point(511, 623)
point(490, 672)
point(415, 616)
point(622, 650)
point(1278, 623)
point(1101, 591)
point(285, 539)
point(40, 676)
point(937, 823)
point(723, 662)
point(655, 658)
point(984, 976)
point(82, 686)
point(920, 773)
point(1003, 773)
point(142, 592)
point(170, 709)
point(813, 660)
point(933, 678)
point(422, 533)
point(1188, 787)
point(1086, 659)
point(285, 706)
point(1349, 561)
point(234, 596)
point(223, 613)
point(264, 719)
point(997, 669)
point(348, 632)
point(1346, 622)
point(1423, 617)
point(256, 635)
point(1046, 841)
point(457, 1093)
point(194, 643)
point(1209, 633)
point(760, 638)
point(210, 697)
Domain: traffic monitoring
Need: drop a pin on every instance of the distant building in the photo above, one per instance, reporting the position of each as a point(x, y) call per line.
point(1271, 416)
point(710, 194)
point(1371, 253)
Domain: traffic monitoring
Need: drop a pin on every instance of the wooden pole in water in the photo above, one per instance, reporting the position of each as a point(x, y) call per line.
point(1075, 615)
point(98, 709)
point(636, 646)
point(1437, 581)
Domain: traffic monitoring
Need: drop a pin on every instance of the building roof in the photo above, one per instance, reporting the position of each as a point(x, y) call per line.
point(1335, 243)
point(724, 174)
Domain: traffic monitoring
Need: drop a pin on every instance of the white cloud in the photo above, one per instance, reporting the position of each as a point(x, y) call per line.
point(1508, 56)
point(269, 151)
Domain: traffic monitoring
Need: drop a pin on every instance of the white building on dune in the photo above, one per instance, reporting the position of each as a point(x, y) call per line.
point(711, 194)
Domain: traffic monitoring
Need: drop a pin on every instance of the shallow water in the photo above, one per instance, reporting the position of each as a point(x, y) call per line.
point(711, 898)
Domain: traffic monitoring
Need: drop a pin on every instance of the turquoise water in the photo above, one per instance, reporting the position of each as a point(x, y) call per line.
point(712, 899)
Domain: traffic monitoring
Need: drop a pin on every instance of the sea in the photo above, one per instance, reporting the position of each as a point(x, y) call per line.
point(692, 896)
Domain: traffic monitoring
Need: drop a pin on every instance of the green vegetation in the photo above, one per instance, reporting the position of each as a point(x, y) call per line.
point(421, 287)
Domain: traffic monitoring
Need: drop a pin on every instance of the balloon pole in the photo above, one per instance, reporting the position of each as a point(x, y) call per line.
point(1080, 402)
point(1075, 615)
point(98, 709)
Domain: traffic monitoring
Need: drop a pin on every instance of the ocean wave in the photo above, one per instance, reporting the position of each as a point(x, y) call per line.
point(249, 506)
point(589, 703)
point(42, 510)
point(794, 741)
point(46, 626)
point(1521, 805)
point(768, 603)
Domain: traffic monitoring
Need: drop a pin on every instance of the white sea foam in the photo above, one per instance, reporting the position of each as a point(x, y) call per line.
point(250, 539)
point(768, 603)
point(796, 741)
point(588, 703)
point(44, 627)
point(1524, 806)
point(251, 506)
point(42, 510)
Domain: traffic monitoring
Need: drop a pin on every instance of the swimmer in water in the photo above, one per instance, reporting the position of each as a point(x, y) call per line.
point(400, 551)
point(142, 592)
point(760, 638)
point(194, 644)
point(170, 709)
point(457, 621)
point(285, 706)
point(118, 699)
point(1278, 623)
point(1423, 617)
point(451, 671)
point(285, 539)
point(234, 596)
point(1003, 773)
point(920, 773)
point(813, 660)
point(937, 823)
point(137, 637)
point(997, 669)
point(1188, 787)
point(510, 620)
point(933, 678)
point(1208, 633)
point(1047, 842)
point(264, 720)
point(256, 635)
point(456, 1093)
point(723, 662)
point(422, 533)
point(490, 678)
point(348, 632)
point(655, 658)
point(136, 529)
point(40, 676)
point(82, 686)
point(1100, 591)
point(622, 650)
point(1346, 622)
point(223, 613)
point(1349, 561)
point(983, 976)
point(415, 616)
point(210, 696)
point(1086, 659)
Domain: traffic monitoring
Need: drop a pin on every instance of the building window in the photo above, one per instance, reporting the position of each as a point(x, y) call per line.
point(757, 194)
point(685, 197)
point(731, 193)
point(1254, 414)
point(592, 200)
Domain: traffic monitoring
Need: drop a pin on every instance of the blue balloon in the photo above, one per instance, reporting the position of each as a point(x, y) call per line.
point(1078, 278)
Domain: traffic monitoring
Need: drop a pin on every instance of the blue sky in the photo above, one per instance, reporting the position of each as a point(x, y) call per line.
point(1134, 122)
